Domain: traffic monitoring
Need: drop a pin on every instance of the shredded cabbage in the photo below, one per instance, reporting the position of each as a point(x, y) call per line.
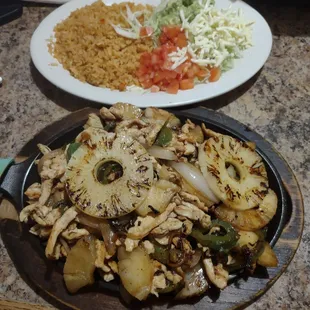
point(127, 33)
point(168, 12)
point(132, 19)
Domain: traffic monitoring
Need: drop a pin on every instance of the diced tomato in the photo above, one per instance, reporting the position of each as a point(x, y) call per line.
point(146, 31)
point(196, 68)
point(155, 58)
point(215, 74)
point(202, 73)
point(145, 59)
point(173, 87)
point(142, 71)
point(179, 69)
point(183, 68)
point(179, 77)
point(164, 74)
point(158, 76)
point(163, 38)
point(155, 71)
point(145, 77)
point(167, 64)
point(163, 85)
point(181, 40)
point(164, 53)
point(166, 49)
point(156, 51)
point(171, 31)
point(155, 89)
point(187, 84)
point(170, 74)
point(147, 83)
point(170, 45)
point(190, 73)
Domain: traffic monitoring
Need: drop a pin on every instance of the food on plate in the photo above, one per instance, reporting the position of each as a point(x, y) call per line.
point(89, 48)
point(171, 47)
point(166, 206)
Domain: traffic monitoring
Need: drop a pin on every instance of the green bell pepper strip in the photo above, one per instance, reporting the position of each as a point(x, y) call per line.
point(167, 256)
point(171, 287)
point(164, 137)
point(161, 253)
point(72, 148)
point(217, 242)
point(106, 169)
point(109, 126)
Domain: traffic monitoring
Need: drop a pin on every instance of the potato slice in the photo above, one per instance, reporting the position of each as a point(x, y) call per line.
point(268, 257)
point(136, 272)
point(80, 264)
point(248, 238)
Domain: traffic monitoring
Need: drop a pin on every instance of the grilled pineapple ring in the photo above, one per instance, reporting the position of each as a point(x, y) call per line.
point(119, 197)
point(219, 151)
point(253, 219)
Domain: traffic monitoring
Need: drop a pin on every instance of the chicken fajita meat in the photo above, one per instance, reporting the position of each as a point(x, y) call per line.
point(165, 206)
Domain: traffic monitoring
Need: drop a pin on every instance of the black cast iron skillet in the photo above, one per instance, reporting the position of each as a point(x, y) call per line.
point(27, 251)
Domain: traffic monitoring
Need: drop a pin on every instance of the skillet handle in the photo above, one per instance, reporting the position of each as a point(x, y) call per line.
point(4, 164)
point(11, 180)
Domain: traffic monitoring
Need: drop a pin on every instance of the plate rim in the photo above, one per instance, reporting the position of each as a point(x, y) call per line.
point(108, 96)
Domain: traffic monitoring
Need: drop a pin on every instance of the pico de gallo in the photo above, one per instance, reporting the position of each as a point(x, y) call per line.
point(194, 43)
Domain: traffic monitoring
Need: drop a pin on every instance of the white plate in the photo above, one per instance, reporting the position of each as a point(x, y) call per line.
point(244, 68)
